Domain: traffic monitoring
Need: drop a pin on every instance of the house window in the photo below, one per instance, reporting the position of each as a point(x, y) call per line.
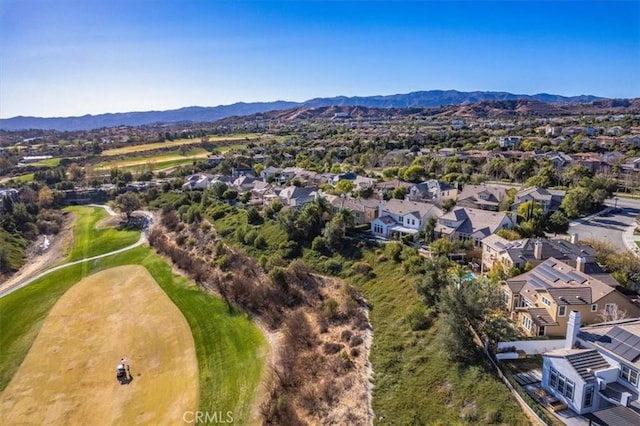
point(594, 307)
point(568, 392)
point(506, 296)
point(541, 330)
point(610, 308)
point(526, 322)
point(629, 374)
point(563, 385)
point(544, 299)
point(562, 311)
point(553, 379)
point(588, 397)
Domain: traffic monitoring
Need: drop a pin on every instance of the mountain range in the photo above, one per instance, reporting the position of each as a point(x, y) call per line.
point(424, 99)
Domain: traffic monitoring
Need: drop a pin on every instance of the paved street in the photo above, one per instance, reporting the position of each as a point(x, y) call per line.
point(614, 228)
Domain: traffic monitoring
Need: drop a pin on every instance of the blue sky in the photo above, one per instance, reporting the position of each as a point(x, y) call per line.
point(62, 57)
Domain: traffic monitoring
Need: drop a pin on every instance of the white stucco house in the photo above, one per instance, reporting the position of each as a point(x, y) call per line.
point(402, 217)
point(597, 374)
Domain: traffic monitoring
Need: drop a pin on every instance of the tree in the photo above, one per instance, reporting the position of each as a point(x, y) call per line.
point(344, 186)
point(429, 228)
point(45, 197)
point(441, 247)
point(127, 203)
point(558, 222)
point(414, 173)
point(464, 308)
point(435, 278)
point(218, 189)
point(531, 221)
point(399, 192)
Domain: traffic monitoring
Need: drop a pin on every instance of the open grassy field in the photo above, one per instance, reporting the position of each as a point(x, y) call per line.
point(230, 349)
point(50, 162)
point(178, 143)
point(413, 384)
point(89, 240)
point(72, 361)
point(27, 177)
point(157, 160)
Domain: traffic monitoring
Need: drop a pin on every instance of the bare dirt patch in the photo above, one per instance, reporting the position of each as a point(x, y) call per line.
point(39, 258)
point(68, 376)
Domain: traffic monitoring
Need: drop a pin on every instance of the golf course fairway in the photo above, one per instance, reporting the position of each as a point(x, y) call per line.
point(68, 375)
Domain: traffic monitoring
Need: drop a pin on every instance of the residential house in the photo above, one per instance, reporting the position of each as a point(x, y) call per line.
point(533, 251)
point(597, 374)
point(557, 158)
point(215, 160)
point(342, 176)
point(432, 190)
point(549, 199)
point(390, 185)
point(270, 172)
point(402, 217)
point(484, 197)
point(245, 183)
point(539, 301)
point(631, 165)
point(7, 194)
point(509, 142)
point(464, 223)
point(241, 171)
point(198, 181)
point(294, 196)
point(363, 182)
point(457, 124)
point(363, 210)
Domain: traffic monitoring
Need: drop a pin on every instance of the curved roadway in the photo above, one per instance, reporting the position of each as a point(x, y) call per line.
point(141, 240)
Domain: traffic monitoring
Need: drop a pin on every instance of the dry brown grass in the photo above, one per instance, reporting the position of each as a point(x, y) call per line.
point(68, 376)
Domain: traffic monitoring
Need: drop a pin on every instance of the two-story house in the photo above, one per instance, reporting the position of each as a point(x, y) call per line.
point(294, 196)
point(539, 301)
point(533, 251)
point(471, 224)
point(484, 197)
point(402, 217)
point(597, 374)
point(432, 190)
point(363, 210)
point(549, 199)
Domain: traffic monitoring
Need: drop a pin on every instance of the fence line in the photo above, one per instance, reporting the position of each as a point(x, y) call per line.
point(506, 381)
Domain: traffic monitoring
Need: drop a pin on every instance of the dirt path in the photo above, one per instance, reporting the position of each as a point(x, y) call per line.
point(68, 376)
point(40, 260)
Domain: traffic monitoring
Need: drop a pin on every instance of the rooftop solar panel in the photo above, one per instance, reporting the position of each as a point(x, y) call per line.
point(536, 282)
point(548, 274)
point(624, 343)
point(577, 277)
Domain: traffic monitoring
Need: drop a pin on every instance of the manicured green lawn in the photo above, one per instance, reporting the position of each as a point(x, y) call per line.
point(413, 384)
point(89, 241)
point(231, 350)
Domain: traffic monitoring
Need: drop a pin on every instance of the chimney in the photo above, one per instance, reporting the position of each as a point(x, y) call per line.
point(580, 262)
point(537, 250)
point(573, 328)
point(574, 238)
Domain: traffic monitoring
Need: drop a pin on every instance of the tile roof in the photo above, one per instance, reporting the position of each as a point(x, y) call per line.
point(403, 207)
point(565, 284)
point(583, 361)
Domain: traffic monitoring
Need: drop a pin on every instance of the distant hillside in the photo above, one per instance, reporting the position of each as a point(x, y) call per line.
point(484, 109)
point(422, 99)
